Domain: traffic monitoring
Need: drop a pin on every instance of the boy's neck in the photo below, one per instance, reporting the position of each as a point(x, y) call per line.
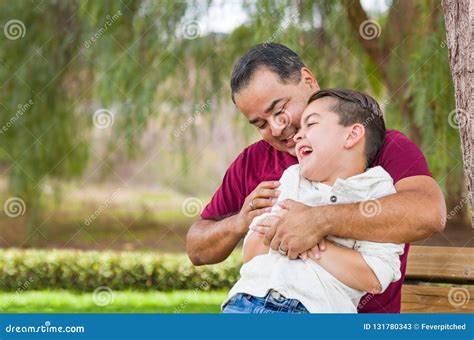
point(344, 172)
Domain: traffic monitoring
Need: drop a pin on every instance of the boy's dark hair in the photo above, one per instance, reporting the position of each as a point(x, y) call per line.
point(278, 58)
point(355, 107)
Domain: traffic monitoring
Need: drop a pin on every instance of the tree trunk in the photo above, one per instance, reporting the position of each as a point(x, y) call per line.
point(459, 18)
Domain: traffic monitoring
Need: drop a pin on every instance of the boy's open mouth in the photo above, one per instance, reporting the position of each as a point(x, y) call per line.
point(304, 150)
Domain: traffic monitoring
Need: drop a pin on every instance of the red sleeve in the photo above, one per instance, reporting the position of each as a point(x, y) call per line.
point(229, 198)
point(401, 158)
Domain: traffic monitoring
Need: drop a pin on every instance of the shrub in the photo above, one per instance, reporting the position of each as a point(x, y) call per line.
point(88, 270)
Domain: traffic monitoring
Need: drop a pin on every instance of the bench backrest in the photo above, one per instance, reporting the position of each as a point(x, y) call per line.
point(439, 280)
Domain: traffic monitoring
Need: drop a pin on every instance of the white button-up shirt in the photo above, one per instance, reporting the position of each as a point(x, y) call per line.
point(307, 281)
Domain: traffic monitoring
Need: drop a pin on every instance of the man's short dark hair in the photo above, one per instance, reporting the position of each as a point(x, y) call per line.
point(279, 59)
point(355, 107)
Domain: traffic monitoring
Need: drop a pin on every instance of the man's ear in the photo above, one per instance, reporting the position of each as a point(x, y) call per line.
point(355, 135)
point(309, 79)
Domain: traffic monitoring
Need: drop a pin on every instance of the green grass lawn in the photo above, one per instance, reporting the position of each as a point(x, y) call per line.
point(63, 301)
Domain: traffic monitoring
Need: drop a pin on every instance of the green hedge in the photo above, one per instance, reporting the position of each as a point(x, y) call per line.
point(88, 270)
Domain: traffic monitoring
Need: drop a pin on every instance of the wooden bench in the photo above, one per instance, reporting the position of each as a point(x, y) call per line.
point(439, 280)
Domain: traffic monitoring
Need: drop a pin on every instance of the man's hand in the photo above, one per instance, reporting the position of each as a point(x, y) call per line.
point(294, 230)
point(259, 201)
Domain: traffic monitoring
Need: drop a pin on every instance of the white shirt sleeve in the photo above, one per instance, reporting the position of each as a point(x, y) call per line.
point(288, 189)
point(383, 259)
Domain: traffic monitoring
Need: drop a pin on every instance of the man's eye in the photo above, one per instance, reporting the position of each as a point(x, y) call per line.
point(263, 126)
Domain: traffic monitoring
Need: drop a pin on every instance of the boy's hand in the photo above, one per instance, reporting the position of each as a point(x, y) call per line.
point(315, 252)
point(259, 201)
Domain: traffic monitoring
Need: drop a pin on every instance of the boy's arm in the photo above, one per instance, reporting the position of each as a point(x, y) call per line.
point(371, 268)
point(349, 267)
point(254, 246)
point(253, 242)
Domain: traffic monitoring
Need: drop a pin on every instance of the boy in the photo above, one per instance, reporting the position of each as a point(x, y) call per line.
point(341, 133)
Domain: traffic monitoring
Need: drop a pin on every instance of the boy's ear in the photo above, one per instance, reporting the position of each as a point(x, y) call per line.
point(355, 135)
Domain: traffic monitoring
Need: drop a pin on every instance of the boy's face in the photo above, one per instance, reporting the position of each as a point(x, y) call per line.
point(320, 141)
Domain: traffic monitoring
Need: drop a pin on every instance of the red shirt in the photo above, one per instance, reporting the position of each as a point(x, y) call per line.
point(259, 162)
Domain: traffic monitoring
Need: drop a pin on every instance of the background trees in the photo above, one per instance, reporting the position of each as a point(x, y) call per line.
point(139, 89)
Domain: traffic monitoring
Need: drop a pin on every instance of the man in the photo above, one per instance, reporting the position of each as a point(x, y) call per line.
point(271, 87)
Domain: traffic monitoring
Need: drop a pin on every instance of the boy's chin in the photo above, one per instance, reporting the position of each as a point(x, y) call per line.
point(308, 172)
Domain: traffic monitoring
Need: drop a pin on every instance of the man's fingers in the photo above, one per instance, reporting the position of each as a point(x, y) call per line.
point(266, 193)
point(270, 238)
point(259, 203)
point(254, 213)
point(268, 184)
point(292, 255)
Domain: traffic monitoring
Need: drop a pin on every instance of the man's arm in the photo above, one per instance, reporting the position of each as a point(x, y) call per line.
point(209, 241)
point(415, 212)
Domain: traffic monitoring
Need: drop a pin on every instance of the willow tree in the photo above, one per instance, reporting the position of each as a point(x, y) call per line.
point(61, 62)
point(68, 66)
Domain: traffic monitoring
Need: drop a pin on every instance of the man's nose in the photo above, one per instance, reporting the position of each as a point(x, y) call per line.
point(277, 127)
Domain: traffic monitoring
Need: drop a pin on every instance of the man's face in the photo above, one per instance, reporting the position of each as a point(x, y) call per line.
point(275, 108)
point(321, 140)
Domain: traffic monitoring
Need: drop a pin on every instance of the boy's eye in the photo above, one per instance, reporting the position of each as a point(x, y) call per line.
point(310, 124)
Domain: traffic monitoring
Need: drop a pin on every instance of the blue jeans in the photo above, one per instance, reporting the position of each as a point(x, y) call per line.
point(273, 302)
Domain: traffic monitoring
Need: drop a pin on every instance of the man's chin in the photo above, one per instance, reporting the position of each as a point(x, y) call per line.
point(292, 151)
point(284, 148)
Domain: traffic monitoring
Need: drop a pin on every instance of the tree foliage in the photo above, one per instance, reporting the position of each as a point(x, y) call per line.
point(137, 60)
